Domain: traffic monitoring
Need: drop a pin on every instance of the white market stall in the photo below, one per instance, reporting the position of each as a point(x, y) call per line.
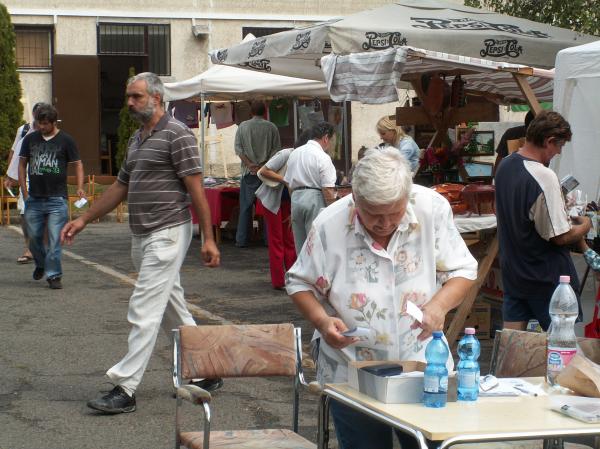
point(224, 83)
point(429, 24)
point(577, 98)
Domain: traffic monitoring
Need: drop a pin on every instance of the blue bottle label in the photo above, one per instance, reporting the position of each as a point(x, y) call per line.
point(468, 379)
point(431, 384)
point(444, 383)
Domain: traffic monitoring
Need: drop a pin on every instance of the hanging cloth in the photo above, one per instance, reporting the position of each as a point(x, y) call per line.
point(279, 111)
point(221, 114)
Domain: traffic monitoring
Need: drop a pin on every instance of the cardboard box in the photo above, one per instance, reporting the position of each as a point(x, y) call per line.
point(393, 390)
point(479, 318)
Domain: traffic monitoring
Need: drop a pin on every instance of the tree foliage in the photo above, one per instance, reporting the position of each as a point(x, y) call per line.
point(11, 109)
point(127, 126)
point(582, 16)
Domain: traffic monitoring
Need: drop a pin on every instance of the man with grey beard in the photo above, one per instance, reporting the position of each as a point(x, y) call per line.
point(160, 176)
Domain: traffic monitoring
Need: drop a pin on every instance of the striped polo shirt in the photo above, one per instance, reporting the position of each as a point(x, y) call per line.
point(153, 172)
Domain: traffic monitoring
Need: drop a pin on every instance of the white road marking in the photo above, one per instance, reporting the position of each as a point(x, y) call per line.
point(198, 312)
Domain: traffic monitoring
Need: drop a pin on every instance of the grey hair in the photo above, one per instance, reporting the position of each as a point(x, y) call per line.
point(382, 176)
point(153, 83)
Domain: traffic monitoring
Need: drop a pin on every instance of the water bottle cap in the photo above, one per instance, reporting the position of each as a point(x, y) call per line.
point(469, 331)
point(566, 279)
point(437, 334)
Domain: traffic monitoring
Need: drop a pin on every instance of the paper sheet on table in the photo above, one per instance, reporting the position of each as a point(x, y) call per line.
point(578, 407)
point(513, 386)
point(414, 311)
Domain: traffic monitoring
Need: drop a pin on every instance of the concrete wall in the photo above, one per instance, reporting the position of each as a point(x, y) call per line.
point(75, 33)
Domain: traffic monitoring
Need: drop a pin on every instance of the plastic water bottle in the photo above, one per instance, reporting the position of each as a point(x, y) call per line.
point(435, 379)
point(562, 342)
point(468, 366)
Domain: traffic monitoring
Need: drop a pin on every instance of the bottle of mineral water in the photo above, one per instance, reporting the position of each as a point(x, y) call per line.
point(468, 366)
point(562, 342)
point(435, 379)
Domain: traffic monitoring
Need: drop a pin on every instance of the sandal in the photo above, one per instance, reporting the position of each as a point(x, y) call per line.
point(24, 259)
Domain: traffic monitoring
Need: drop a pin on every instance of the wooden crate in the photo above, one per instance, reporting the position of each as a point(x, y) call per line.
point(479, 318)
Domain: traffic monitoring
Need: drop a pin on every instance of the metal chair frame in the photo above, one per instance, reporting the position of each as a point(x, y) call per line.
point(299, 380)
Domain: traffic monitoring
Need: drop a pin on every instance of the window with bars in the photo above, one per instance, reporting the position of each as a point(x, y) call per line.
point(33, 47)
point(153, 41)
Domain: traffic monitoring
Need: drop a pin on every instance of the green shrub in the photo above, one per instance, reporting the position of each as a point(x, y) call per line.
point(127, 126)
point(11, 109)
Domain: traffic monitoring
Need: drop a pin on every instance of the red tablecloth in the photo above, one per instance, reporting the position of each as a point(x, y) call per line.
point(221, 201)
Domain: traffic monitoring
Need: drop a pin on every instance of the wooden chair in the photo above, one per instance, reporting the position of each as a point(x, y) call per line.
point(6, 199)
point(99, 184)
point(236, 351)
point(72, 191)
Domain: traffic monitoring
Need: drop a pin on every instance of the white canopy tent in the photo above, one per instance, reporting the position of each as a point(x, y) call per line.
point(577, 98)
point(232, 83)
point(430, 24)
point(224, 83)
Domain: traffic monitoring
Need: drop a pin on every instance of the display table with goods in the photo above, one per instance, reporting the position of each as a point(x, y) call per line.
point(223, 196)
point(525, 416)
point(473, 207)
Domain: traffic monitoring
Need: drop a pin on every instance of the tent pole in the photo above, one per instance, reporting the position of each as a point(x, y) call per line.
point(202, 156)
point(202, 144)
point(347, 156)
point(295, 109)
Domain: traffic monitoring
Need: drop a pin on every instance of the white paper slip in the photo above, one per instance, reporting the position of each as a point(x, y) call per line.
point(414, 311)
point(512, 386)
point(80, 203)
point(357, 332)
point(583, 409)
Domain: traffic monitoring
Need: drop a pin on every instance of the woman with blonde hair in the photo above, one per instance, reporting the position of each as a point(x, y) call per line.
point(395, 136)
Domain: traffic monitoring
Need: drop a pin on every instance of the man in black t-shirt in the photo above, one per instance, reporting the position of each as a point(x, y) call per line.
point(45, 155)
point(534, 230)
point(515, 133)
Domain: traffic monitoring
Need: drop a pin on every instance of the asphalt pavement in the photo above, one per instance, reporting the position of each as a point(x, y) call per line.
point(57, 345)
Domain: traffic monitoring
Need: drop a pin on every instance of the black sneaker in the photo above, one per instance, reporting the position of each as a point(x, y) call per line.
point(54, 283)
point(38, 273)
point(115, 401)
point(209, 384)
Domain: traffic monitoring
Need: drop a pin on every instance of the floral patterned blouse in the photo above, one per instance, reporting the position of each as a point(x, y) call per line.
point(366, 285)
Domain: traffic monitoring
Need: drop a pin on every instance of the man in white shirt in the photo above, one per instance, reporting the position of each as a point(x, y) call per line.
point(12, 180)
point(311, 177)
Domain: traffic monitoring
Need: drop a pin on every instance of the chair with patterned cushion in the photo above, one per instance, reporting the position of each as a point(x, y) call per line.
point(236, 351)
point(518, 354)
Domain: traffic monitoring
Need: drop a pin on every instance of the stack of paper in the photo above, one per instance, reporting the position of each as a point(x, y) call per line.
point(509, 386)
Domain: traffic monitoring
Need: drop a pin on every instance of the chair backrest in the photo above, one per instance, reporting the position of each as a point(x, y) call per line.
point(518, 354)
point(104, 180)
point(236, 351)
point(72, 184)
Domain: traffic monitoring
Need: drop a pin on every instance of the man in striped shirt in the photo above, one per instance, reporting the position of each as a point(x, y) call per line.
point(159, 176)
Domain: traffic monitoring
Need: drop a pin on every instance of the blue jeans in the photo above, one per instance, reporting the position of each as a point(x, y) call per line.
point(355, 430)
point(42, 213)
point(248, 186)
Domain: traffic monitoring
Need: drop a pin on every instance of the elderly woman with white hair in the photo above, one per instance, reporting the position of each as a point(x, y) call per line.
point(365, 257)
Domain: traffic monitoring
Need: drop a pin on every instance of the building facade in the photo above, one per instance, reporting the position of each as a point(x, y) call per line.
point(78, 56)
